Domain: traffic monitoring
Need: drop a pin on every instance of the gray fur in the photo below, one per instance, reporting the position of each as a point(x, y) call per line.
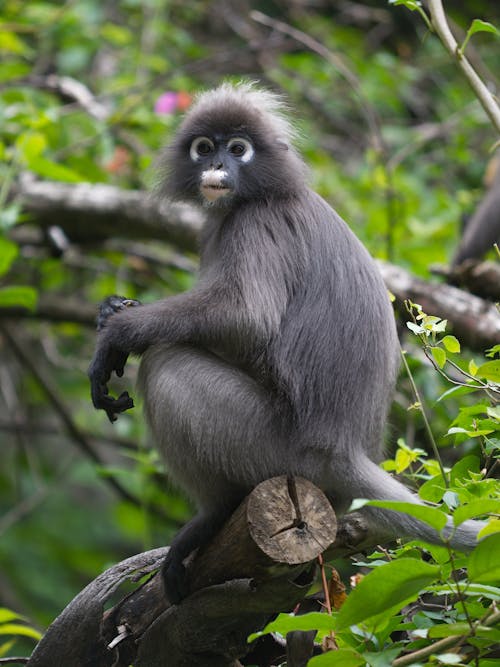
point(283, 358)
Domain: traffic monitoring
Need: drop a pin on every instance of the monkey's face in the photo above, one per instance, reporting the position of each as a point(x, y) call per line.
point(219, 162)
point(229, 151)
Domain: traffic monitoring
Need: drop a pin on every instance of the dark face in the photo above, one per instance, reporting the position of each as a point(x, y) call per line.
point(224, 155)
point(220, 161)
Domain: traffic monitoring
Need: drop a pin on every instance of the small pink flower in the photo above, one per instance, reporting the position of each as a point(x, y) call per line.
point(166, 103)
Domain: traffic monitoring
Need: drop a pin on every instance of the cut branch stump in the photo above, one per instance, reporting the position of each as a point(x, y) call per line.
point(262, 562)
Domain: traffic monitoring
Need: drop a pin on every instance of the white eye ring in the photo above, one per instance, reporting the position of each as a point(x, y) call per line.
point(234, 146)
point(197, 151)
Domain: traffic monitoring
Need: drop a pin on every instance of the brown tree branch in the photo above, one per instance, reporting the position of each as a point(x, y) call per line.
point(475, 321)
point(87, 212)
point(92, 212)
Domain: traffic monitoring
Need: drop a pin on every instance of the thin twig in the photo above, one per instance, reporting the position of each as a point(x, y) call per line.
point(443, 644)
point(424, 416)
point(481, 91)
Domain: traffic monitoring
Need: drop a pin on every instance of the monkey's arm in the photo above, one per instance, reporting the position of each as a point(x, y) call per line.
point(206, 316)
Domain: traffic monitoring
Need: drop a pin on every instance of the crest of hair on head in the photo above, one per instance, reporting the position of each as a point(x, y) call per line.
point(246, 94)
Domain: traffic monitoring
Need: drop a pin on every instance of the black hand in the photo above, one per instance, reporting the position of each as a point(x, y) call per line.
point(106, 360)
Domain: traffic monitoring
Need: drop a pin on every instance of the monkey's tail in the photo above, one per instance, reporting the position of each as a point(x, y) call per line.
point(376, 484)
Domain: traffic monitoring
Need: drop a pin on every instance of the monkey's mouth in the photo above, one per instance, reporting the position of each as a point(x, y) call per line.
point(213, 184)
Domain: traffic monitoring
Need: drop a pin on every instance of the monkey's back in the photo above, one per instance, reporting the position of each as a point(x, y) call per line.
point(336, 352)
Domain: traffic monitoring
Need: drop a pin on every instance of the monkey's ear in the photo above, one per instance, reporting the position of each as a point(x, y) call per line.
point(282, 144)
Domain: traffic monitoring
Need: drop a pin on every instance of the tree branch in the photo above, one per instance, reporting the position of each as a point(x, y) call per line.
point(482, 93)
point(475, 321)
point(87, 212)
point(92, 212)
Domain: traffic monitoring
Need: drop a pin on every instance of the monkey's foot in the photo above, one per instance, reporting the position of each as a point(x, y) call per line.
point(173, 574)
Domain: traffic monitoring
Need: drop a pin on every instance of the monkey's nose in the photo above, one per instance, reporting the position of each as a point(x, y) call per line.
point(218, 165)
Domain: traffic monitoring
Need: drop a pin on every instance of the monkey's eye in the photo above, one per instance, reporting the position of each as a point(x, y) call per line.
point(201, 147)
point(241, 148)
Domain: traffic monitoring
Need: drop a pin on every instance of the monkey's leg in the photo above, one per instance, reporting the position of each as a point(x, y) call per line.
point(219, 434)
point(194, 534)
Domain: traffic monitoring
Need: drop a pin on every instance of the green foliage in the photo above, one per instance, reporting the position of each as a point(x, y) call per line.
point(384, 591)
point(478, 26)
point(15, 626)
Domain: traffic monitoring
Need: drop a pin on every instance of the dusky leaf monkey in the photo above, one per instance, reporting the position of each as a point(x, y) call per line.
point(283, 358)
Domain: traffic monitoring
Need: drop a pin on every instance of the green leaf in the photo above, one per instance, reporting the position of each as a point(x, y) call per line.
point(439, 356)
point(429, 515)
point(472, 590)
point(451, 343)
point(412, 5)
point(493, 526)
point(6, 647)
point(24, 297)
point(386, 589)
point(6, 615)
point(477, 26)
point(9, 215)
point(344, 657)
point(448, 630)
point(20, 630)
point(384, 658)
point(455, 430)
point(404, 458)
point(462, 468)
point(475, 508)
point(8, 253)
point(455, 392)
point(449, 658)
point(481, 26)
point(494, 412)
point(286, 623)
point(484, 563)
point(490, 370)
point(57, 172)
point(31, 145)
point(10, 43)
point(432, 490)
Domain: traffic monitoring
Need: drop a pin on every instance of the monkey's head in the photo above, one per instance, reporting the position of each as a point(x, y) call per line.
point(235, 144)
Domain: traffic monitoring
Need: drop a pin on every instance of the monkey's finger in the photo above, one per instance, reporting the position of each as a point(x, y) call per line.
point(124, 402)
point(120, 404)
point(111, 416)
point(119, 364)
point(111, 305)
point(131, 303)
